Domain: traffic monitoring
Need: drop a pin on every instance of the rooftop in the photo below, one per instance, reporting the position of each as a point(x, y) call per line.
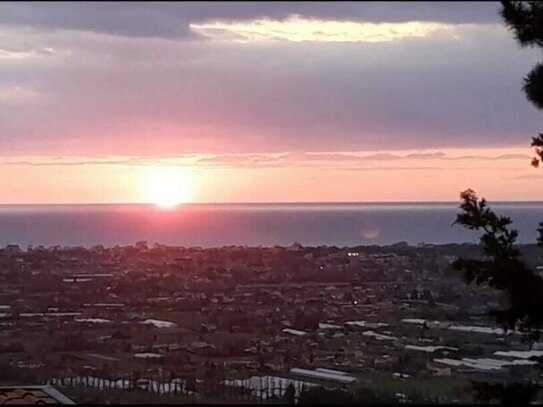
point(32, 395)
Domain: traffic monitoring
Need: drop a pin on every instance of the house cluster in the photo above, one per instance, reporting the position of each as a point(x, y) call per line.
point(302, 315)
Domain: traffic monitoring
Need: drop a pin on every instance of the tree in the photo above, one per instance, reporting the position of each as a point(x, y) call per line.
point(525, 19)
point(365, 396)
point(290, 394)
point(510, 394)
point(414, 294)
point(502, 267)
point(320, 395)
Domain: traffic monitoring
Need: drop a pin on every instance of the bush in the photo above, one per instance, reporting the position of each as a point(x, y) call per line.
point(320, 395)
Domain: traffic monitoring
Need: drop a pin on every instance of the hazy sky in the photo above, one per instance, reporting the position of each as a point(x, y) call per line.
point(262, 102)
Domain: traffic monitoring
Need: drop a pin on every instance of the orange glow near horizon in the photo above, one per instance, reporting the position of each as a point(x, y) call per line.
point(167, 187)
point(395, 176)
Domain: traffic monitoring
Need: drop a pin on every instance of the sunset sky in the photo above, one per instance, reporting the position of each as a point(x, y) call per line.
point(263, 102)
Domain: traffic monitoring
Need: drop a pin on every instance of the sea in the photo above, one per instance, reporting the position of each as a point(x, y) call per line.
point(217, 225)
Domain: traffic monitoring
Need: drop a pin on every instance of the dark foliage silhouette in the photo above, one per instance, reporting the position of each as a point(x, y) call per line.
point(525, 19)
point(502, 267)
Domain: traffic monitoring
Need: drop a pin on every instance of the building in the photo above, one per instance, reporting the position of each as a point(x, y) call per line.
point(32, 395)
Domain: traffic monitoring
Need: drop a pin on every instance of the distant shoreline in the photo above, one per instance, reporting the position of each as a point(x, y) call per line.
point(158, 246)
point(342, 203)
point(381, 204)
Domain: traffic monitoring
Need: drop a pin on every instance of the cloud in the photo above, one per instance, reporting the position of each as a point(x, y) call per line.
point(143, 92)
point(241, 161)
point(266, 160)
point(16, 94)
point(337, 157)
point(499, 157)
point(428, 155)
point(394, 157)
point(237, 158)
point(262, 160)
point(5, 54)
point(68, 163)
point(528, 177)
point(172, 20)
point(414, 168)
point(297, 29)
point(9, 54)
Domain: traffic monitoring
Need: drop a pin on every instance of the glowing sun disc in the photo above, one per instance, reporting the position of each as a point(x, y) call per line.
point(167, 187)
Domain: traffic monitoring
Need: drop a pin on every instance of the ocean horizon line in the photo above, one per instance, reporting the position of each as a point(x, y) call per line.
point(278, 203)
point(253, 224)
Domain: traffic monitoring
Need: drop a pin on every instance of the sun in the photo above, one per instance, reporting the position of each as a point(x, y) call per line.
point(167, 186)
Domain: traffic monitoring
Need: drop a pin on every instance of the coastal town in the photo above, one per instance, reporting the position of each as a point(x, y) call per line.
point(202, 322)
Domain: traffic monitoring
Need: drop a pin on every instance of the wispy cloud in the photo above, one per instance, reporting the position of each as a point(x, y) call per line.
point(9, 54)
point(171, 20)
point(63, 163)
point(499, 157)
point(354, 160)
point(194, 95)
point(528, 177)
point(414, 168)
point(383, 156)
point(16, 94)
point(5, 54)
point(237, 158)
point(94, 160)
point(297, 29)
